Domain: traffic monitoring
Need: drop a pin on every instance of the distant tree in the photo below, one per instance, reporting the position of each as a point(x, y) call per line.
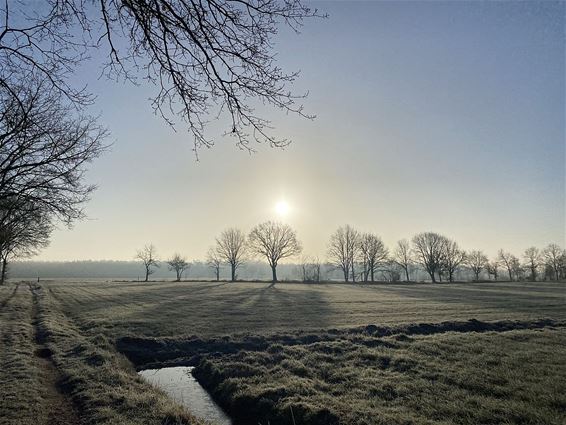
point(310, 269)
point(452, 258)
point(148, 256)
point(214, 261)
point(343, 250)
point(403, 257)
point(533, 260)
point(373, 254)
point(517, 268)
point(231, 247)
point(391, 271)
point(509, 261)
point(429, 250)
point(274, 241)
point(562, 265)
point(493, 269)
point(552, 256)
point(477, 261)
point(178, 264)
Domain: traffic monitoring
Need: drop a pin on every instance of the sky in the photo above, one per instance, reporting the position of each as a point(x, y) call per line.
point(430, 116)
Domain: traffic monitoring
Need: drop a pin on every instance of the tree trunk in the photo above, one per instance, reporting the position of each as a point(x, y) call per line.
point(274, 273)
point(510, 275)
point(146, 274)
point(407, 274)
point(218, 274)
point(371, 271)
point(432, 277)
point(4, 266)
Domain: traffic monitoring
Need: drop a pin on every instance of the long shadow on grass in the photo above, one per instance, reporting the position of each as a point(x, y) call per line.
point(235, 309)
point(140, 295)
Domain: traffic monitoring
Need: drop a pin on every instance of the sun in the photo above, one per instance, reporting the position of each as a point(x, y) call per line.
point(282, 208)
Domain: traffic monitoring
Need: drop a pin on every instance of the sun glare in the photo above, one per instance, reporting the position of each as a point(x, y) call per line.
point(282, 208)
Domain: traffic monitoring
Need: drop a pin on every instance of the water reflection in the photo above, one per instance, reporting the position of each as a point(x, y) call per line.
point(179, 384)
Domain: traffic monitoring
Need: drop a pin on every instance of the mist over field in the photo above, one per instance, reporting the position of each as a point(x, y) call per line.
point(132, 270)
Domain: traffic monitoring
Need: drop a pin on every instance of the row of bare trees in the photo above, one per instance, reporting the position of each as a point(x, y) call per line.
point(148, 257)
point(271, 240)
point(360, 255)
point(364, 257)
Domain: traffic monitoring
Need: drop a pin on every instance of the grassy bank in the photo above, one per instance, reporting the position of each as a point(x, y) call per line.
point(514, 377)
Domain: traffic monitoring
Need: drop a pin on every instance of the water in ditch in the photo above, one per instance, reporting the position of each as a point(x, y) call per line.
point(179, 384)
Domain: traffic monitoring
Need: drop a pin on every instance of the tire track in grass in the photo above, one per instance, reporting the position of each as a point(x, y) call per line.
point(59, 408)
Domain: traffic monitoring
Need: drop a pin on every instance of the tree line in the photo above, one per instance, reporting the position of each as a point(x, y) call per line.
point(363, 257)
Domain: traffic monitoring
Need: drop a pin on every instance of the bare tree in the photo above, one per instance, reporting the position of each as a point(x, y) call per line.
point(275, 241)
point(562, 265)
point(452, 258)
point(178, 264)
point(552, 256)
point(148, 256)
point(391, 271)
point(403, 257)
point(310, 269)
point(493, 269)
point(214, 262)
point(24, 230)
point(44, 150)
point(373, 254)
point(205, 57)
point(343, 250)
point(509, 261)
point(477, 261)
point(517, 268)
point(429, 250)
point(231, 247)
point(533, 260)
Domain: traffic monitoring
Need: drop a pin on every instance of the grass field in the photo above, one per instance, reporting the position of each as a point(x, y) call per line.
point(60, 362)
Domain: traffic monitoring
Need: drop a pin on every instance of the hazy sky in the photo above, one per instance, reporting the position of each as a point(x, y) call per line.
point(446, 117)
